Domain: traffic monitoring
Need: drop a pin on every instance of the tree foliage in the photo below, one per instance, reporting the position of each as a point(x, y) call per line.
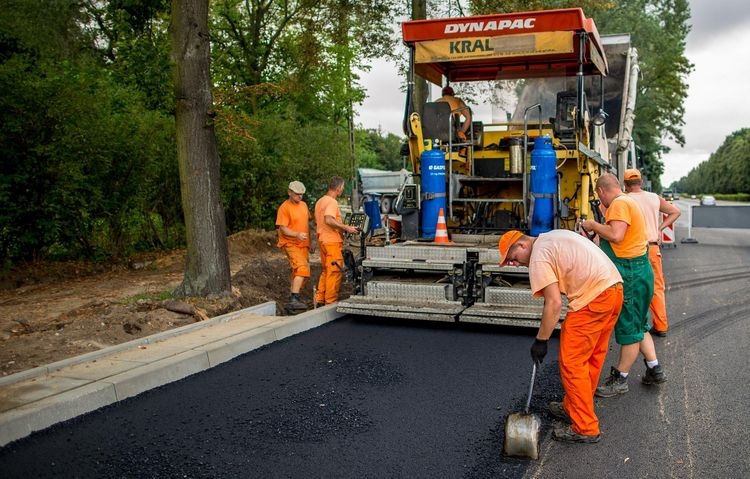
point(87, 126)
point(77, 145)
point(726, 171)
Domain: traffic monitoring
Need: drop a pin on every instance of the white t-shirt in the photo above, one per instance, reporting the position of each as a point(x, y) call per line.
point(580, 268)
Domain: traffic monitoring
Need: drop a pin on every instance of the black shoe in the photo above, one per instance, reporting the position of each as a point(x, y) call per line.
point(656, 332)
point(556, 409)
point(567, 434)
point(295, 303)
point(654, 375)
point(614, 385)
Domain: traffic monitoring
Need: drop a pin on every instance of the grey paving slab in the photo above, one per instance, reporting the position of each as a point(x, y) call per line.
point(38, 415)
point(96, 369)
point(227, 349)
point(25, 392)
point(158, 373)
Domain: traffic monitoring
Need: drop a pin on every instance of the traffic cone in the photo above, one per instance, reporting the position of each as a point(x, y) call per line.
point(441, 232)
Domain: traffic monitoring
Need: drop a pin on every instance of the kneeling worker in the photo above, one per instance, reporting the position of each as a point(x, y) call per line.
point(293, 223)
point(563, 262)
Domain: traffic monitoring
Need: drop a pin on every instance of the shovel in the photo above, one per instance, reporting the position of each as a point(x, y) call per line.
point(522, 430)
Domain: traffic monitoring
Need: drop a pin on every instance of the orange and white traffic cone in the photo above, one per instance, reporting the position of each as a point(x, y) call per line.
point(441, 232)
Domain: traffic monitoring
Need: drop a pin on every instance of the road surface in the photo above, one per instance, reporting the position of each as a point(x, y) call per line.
point(366, 398)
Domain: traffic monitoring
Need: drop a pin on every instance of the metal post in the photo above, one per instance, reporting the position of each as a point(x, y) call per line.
point(524, 184)
point(690, 238)
point(450, 165)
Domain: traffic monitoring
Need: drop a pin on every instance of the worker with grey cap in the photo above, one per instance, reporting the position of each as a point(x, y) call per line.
point(293, 225)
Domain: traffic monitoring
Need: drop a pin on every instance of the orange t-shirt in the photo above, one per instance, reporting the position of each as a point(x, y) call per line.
point(634, 244)
point(650, 204)
point(580, 268)
point(296, 217)
point(327, 206)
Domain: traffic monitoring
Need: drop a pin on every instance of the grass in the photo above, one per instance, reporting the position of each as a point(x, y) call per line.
point(157, 296)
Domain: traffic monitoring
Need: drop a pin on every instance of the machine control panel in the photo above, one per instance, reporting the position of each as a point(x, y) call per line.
point(359, 220)
point(410, 197)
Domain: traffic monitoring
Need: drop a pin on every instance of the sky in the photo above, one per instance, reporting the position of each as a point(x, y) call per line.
point(717, 105)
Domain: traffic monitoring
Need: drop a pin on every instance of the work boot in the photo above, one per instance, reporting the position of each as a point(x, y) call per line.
point(556, 409)
point(654, 375)
point(656, 332)
point(567, 434)
point(614, 385)
point(295, 303)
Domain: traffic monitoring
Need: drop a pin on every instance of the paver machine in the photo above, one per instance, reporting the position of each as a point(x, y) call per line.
point(569, 97)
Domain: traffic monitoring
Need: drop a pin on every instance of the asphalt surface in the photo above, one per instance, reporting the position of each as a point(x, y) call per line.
point(368, 398)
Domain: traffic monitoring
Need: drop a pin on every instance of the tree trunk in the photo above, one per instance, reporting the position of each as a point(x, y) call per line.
point(207, 267)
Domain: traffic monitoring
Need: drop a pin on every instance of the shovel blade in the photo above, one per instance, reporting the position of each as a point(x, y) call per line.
point(522, 435)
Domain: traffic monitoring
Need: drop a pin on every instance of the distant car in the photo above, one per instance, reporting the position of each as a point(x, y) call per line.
point(692, 197)
point(708, 201)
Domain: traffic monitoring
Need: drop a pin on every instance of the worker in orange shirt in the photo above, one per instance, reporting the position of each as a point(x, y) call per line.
point(623, 238)
point(460, 110)
point(563, 262)
point(293, 225)
point(653, 206)
point(330, 241)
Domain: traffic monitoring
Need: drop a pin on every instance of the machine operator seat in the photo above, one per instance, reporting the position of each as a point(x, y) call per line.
point(436, 121)
point(436, 124)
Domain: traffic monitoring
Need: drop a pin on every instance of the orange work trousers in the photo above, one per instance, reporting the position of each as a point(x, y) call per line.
point(658, 306)
point(298, 260)
point(332, 262)
point(583, 348)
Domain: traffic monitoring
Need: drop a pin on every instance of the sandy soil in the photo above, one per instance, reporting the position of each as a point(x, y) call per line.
point(50, 312)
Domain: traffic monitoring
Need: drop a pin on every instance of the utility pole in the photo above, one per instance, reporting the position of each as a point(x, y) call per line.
point(419, 12)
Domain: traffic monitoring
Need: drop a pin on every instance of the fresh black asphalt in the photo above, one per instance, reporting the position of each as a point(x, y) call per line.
point(354, 398)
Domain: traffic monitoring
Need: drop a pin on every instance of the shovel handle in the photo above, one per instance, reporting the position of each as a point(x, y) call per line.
point(531, 386)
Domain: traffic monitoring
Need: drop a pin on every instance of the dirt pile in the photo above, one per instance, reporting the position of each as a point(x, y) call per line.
point(52, 311)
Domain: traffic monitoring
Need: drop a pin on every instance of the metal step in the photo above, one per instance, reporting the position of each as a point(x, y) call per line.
point(405, 291)
point(390, 299)
point(510, 306)
point(429, 311)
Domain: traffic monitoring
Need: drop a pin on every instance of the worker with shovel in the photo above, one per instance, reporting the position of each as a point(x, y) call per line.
point(563, 262)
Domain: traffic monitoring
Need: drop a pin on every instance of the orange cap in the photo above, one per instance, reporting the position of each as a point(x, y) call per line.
point(506, 241)
point(632, 174)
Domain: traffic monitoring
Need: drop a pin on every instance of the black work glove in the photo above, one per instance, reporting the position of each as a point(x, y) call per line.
point(539, 350)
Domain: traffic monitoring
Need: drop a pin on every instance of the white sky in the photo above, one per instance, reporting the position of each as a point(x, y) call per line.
point(717, 102)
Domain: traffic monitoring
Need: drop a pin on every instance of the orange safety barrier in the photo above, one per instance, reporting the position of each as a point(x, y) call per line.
point(667, 234)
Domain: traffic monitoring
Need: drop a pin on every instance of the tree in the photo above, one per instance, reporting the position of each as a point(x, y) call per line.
point(725, 171)
point(207, 269)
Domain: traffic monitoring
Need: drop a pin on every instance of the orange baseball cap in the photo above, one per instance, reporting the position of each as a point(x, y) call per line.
point(632, 174)
point(506, 241)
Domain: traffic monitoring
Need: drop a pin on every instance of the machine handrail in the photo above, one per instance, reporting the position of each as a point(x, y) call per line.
point(526, 149)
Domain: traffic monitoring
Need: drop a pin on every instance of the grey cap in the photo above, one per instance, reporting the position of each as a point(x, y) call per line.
point(297, 187)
